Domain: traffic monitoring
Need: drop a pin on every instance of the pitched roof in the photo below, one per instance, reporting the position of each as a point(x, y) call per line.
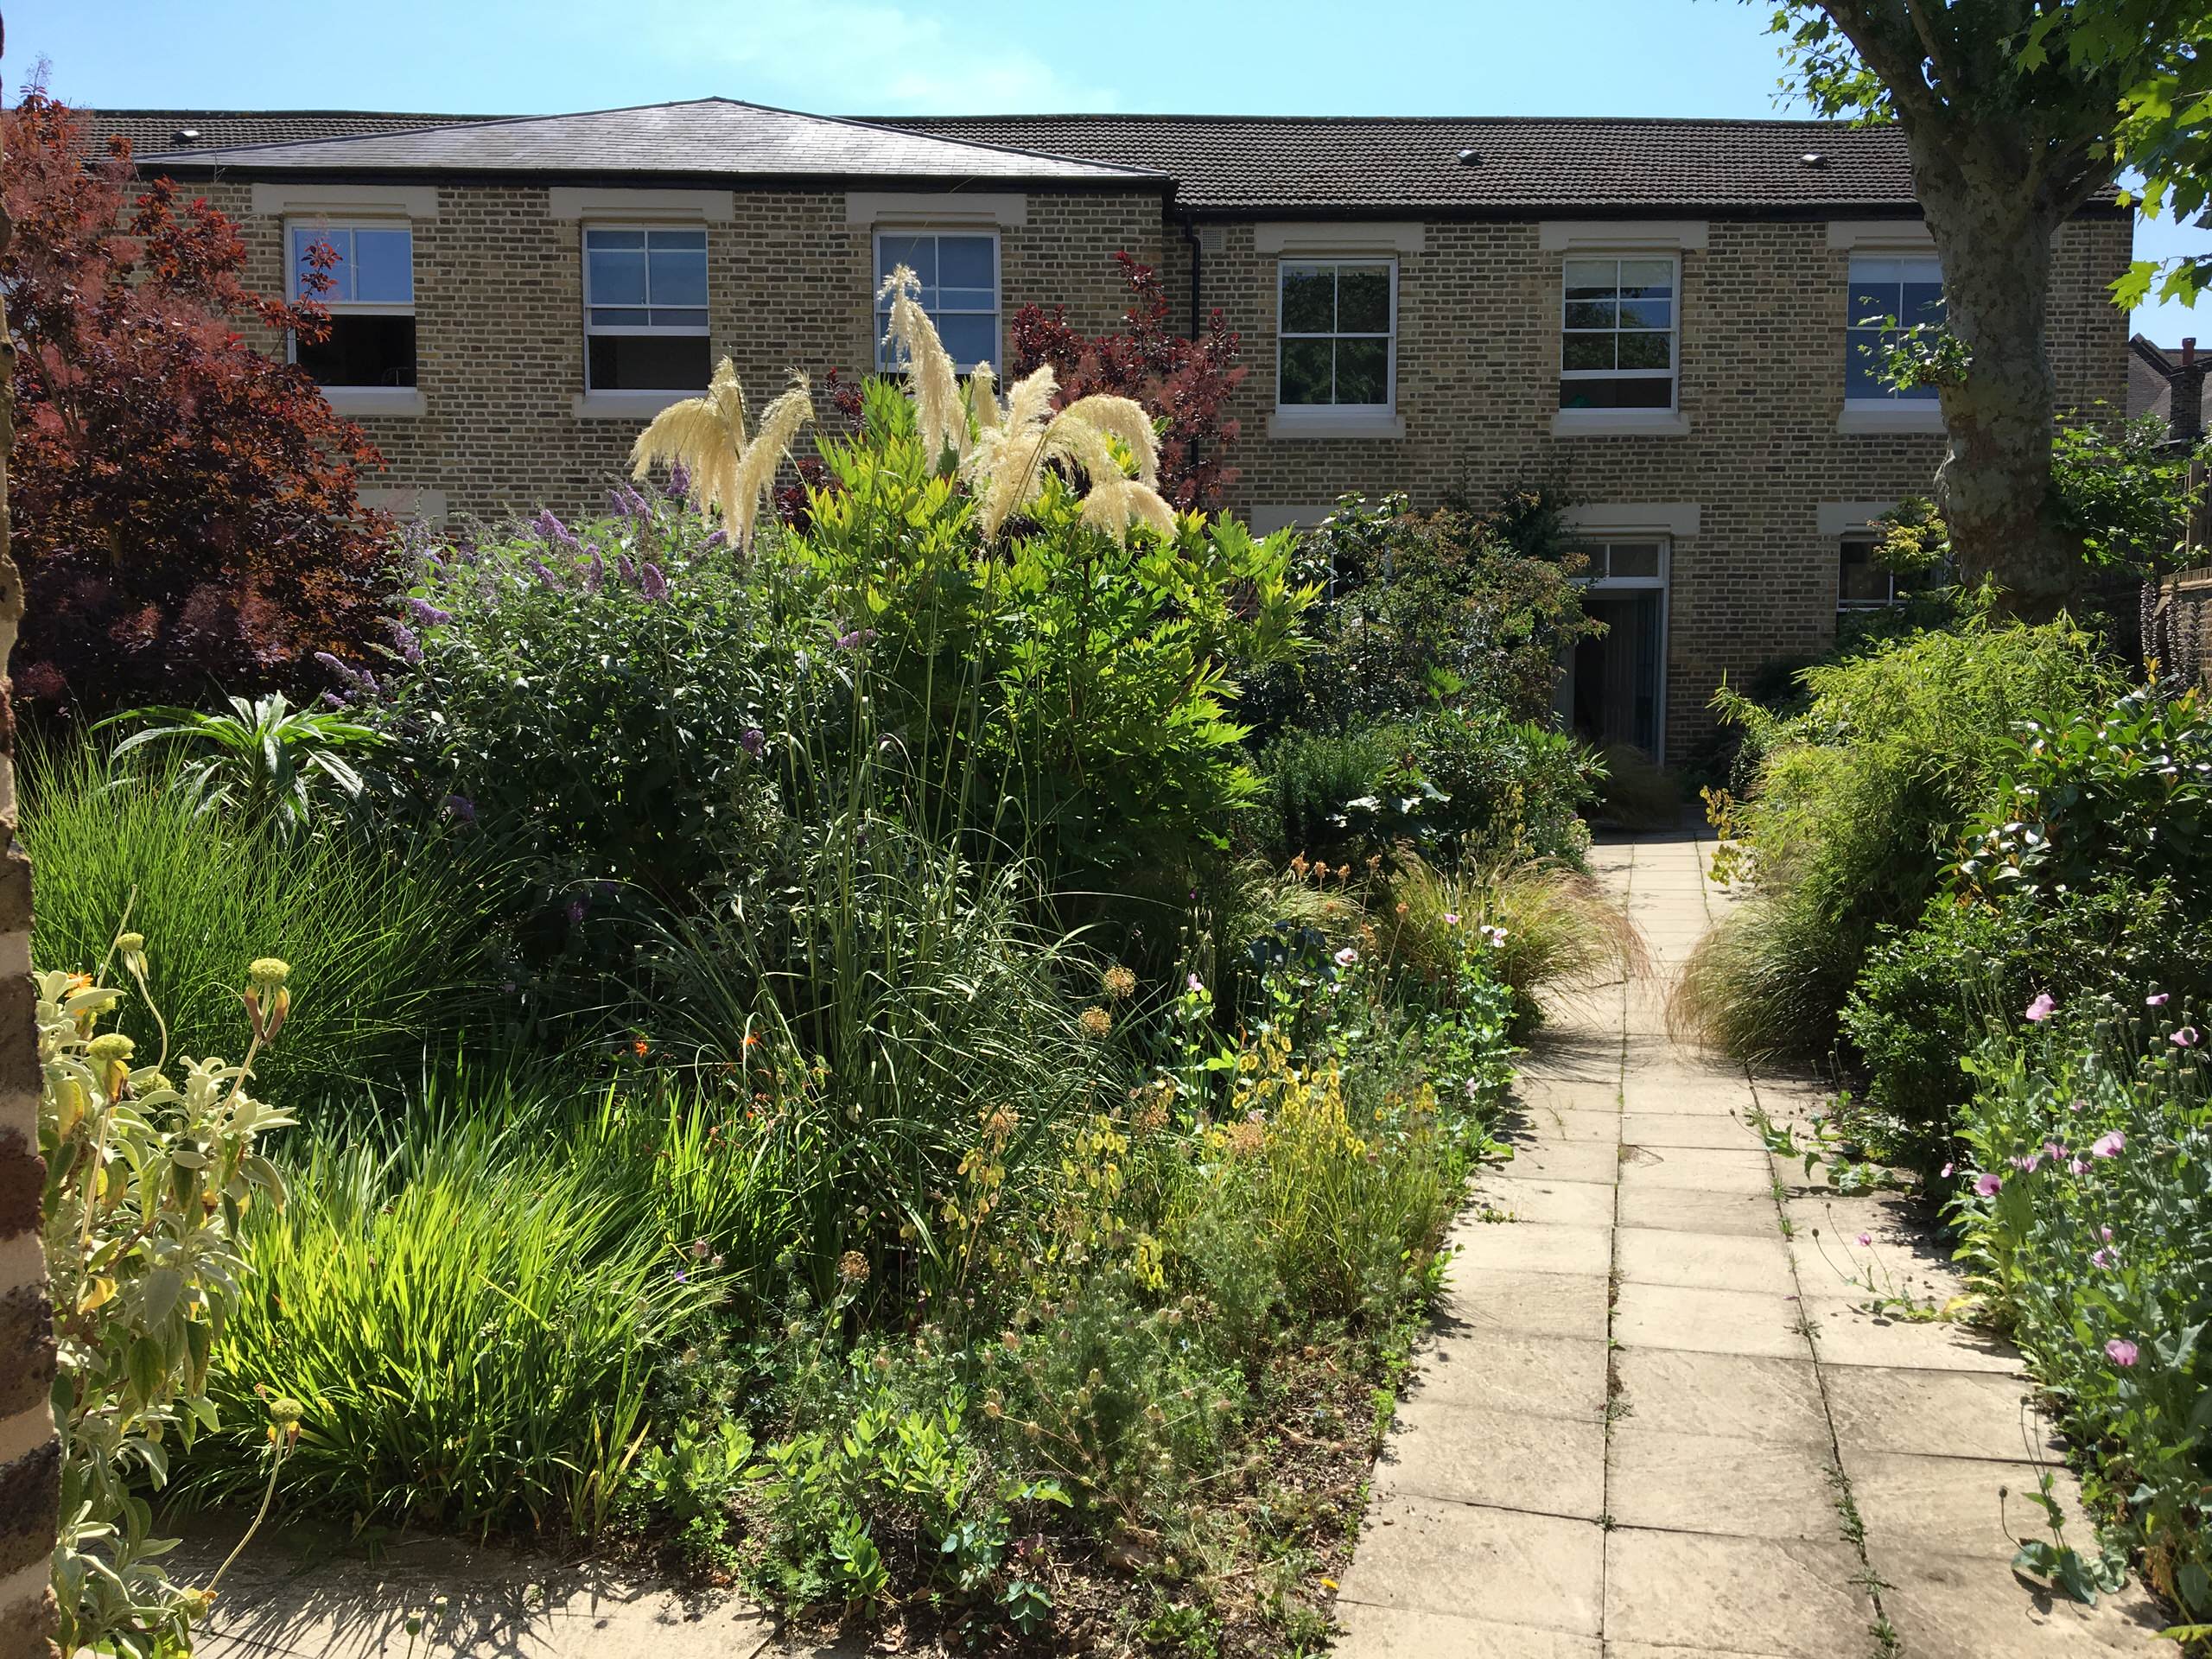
point(1356, 163)
point(2150, 370)
point(153, 131)
point(712, 136)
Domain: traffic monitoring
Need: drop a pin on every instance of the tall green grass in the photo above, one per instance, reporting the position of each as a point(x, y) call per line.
point(468, 1310)
point(1852, 808)
point(387, 940)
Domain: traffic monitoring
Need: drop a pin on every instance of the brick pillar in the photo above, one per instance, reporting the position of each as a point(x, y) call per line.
point(30, 1455)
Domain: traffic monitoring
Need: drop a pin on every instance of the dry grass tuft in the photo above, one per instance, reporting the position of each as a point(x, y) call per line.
point(1564, 931)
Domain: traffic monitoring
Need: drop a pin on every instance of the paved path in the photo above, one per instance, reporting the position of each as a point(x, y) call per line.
point(1656, 1421)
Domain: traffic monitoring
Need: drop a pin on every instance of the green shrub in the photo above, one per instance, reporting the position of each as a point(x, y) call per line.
point(611, 709)
point(1446, 784)
point(1452, 607)
point(1854, 806)
point(1928, 995)
point(466, 1315)
point(387, 940)
point(2088, 1225)
point(2084, 793)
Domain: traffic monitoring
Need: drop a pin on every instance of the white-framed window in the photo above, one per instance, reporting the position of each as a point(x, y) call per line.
point(1336, 333)
point(1619, 330)
point(1887, 294)
point(1630, 562)
point(371, 298)
point(646, 308)
point(959, 276)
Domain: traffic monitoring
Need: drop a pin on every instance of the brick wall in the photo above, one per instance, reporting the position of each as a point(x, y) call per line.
point(500, 343)
point(1762, 357)
point(499, 308)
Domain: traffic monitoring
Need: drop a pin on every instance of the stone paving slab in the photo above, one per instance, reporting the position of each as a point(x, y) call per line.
point(1464, 1560)
point(1705, 1346)
point(1570, 1204)
point(1525, 1304)
point(1680, 1590)
point(1404, 1633)
point(1955, 1506)
point(308, 1590)
point(1546, 1376)
point(1936, 1413)
point(1733, 1487)
point(1507, 1460)
point(1742, 1396)
point(1707, 1321)
point(1746, 1262)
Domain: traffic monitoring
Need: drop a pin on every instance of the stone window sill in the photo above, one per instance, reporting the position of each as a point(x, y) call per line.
point(402, 402)
point(1891, 417)
point(624, 405)
point(1620, 423)
point(1321, 423)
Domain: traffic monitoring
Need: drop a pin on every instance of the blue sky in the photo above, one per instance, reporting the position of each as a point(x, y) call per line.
point(1289, 57)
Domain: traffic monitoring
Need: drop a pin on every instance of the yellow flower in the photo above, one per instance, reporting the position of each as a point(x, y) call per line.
point(1120, 983)
point(1095, 1022)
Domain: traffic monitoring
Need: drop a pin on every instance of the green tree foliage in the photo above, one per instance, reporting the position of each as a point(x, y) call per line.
point(2016, 113)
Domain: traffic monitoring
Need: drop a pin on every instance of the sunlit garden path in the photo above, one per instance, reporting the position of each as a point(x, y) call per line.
point(1657, 1417)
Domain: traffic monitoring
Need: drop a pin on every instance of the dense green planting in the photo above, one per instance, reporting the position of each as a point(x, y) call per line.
point(1851, 808)
point(2086, 1225)
point(386, 934)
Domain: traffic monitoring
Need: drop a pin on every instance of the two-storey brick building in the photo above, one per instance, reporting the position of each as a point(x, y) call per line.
point(1675, 321)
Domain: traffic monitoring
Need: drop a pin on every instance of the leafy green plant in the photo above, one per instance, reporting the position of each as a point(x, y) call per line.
point(465, 1314)
point(389, 946)
point(1851, 808)
point(1448, 785)
point(2090, 791)
point(1457, 608)
point(148, 1183)
point(265, 760)
point(2083, 1205)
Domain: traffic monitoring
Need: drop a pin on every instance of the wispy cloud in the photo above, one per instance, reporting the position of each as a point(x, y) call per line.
point(838, 58)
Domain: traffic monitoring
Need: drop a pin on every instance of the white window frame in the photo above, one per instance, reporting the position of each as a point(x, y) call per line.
point(885, 361)
point(1672, 374)
point(1891, 403)
point(1336, 411)
point(593, 331)
point(356, 400)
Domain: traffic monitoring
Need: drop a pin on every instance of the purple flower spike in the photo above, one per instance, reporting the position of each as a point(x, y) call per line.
point(427, 614)
point(718, 538)
point(537, 568)
point(549, 525)
point(626, 566)
point(652, 583)
point(755, 742)
point(595, 572)
point(679, 482)
point(403, 641)
point(576, 907)
point(460, 809)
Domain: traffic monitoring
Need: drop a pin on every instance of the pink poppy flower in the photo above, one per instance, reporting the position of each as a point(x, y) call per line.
point(2156, 1000)
point(2041, 1008)
point(2121, 1351)
point(2077, 1166)
point(1451, 918)
point(2101, 1258)
point(1947, 1172)
point(2110, 1144)
point(1990, 1184)
point(1346, 957)
point(1866, 1241)
point(1194, 984)
point(2187, 1037)
point(2105, 1233)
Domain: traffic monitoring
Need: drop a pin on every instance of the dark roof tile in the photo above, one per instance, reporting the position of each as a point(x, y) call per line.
point(704, 137)
point(1354, 163)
